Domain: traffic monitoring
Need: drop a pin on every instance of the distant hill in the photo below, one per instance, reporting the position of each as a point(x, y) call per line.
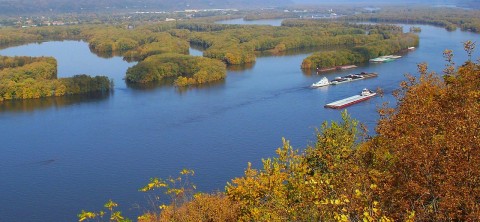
point(460, 3)
point(22, 7)
point(26, 7)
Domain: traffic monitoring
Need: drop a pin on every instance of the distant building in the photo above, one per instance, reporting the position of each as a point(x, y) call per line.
point(58, 23)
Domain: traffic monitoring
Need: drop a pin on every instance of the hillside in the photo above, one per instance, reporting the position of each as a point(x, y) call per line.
point(16, 7)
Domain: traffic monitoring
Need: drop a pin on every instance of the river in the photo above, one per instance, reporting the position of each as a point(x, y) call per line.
point(62, 155)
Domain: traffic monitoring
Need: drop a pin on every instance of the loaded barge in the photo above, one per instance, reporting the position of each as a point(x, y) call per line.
point(353, 77)
point(365, 95)
point(348, 78)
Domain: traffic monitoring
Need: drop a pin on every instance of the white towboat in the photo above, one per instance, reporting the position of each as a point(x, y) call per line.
point(323, 82)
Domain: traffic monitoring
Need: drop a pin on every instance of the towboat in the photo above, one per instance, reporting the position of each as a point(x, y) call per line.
point(323, 82)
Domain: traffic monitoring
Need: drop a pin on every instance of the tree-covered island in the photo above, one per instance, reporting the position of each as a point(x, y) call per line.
point(35, 77)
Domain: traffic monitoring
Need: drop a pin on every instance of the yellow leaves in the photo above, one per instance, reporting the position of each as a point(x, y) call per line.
point(154, 183)
point(386, 219)
point(145, 217)
point(197, 195)
point(411, 216)
point(336, 202)
point(175, 191)
point(85, 215)
point(366, 217)
point(358, 193)
point(373, 186)
point(115, 216)
point(341, 217)
point(327, 181)
point(110, 205)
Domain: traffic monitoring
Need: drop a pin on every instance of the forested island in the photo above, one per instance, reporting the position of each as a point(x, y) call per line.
point(188, 70)
point(36, 77)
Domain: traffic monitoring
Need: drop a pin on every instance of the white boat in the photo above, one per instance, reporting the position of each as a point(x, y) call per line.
point(323, 82)
point(380, 60)
point(366, 92)
point(391, 57)
point(411, 48)
point(385, 58)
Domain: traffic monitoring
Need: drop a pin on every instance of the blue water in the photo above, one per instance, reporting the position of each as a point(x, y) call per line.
point(241, 21)
point(62, 155)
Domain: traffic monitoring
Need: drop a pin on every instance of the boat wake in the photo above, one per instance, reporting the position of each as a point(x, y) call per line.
point(222, 110)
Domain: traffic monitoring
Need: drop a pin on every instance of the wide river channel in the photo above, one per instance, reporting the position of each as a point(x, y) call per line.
point(61, 155)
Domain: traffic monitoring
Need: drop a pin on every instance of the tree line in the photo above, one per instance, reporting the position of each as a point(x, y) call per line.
point(235, 44)
point(360, 54)
point(449, 18)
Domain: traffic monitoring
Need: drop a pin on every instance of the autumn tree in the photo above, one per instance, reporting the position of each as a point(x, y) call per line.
point(433, 137)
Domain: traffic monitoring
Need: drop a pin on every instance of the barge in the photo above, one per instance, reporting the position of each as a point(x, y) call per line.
point(353, 77)
point(345, 67)
point(386, 58)
point(365, 95)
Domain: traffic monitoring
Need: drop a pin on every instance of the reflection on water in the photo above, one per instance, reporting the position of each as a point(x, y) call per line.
point(300, 51)
point(241, 21)
point(110, 54)
point(4, 46)
point(29, 105)
point(241, 67)
point(165, 82)
point(169, 83)
point(185, 89)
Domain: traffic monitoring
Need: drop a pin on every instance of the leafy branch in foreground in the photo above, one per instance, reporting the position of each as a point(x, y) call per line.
point(115, 216)
point(180, 190)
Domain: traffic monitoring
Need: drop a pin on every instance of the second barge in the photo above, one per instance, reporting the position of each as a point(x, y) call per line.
point(365, 95)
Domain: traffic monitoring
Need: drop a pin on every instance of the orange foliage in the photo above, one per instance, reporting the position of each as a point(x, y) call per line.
point(204, 207)
point(434, 138)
